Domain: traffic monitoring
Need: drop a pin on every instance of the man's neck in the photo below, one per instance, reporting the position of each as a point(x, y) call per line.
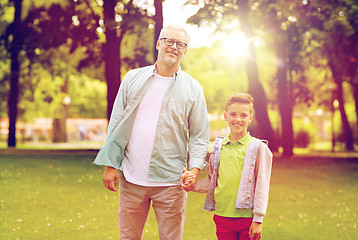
point(166, 71)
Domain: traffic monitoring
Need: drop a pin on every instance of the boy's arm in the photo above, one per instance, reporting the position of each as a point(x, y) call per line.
point(262, 175)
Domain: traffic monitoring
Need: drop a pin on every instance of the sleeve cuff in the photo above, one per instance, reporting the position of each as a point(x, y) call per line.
point(258, 218)
point(196, 163)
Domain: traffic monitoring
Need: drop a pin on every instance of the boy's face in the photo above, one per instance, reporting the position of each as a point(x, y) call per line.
point(238, 116)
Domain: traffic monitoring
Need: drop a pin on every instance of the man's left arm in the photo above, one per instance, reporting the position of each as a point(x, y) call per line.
point(198, 138)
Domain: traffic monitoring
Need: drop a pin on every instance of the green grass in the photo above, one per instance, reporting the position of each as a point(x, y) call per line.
point(53, 146)
point(62, 197)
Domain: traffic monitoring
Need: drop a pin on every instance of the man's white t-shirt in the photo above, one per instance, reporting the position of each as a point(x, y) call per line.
point(135, 165)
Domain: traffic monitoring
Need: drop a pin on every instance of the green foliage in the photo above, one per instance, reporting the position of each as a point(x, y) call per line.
point(61, 44)
point(52, 30)
point(319, 37)
point(217, 125)
point(88, 97)
point(137, 48)
point(48, 82)
point(4, 83)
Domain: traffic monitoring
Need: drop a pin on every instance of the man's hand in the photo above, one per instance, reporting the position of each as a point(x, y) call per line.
point(110, 178)
point(188, 179)
point(255, 231)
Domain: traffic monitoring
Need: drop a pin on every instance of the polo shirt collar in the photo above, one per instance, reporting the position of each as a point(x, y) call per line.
point(242, 141)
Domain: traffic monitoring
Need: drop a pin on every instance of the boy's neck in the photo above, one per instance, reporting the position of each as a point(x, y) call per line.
point(236, 137)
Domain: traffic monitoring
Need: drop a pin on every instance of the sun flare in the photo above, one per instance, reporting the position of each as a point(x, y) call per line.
point(235, 44)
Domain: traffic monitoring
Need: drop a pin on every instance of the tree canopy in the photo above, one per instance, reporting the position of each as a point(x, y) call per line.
point(299, 58)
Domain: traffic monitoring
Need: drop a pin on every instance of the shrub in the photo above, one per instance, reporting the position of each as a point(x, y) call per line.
point(302, 139)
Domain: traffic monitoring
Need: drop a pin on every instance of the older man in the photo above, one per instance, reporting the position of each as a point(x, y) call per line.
point(158, 116)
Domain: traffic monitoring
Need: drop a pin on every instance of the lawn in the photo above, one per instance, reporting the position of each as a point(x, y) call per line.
point(62, 197)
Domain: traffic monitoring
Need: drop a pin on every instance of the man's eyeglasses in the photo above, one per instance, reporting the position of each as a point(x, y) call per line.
point(170, 42)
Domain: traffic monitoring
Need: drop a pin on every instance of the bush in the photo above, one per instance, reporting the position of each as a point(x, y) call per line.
point(302, 139)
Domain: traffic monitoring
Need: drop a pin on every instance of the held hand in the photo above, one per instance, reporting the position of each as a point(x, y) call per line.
point(110, 178)
point(255, 231)
point(188, 179)
point(183, 176)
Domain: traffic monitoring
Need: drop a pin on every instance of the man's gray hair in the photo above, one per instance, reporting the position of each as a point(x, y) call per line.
point(175, 27)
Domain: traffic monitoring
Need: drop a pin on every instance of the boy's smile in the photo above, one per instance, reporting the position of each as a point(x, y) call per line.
point(238, 116)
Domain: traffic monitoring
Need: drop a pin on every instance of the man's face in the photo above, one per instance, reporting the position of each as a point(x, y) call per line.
point(171, 56)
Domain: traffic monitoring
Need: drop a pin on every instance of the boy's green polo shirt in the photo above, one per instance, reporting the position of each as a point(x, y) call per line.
point(230, 170)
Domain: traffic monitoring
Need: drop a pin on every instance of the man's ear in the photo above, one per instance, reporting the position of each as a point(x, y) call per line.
point(185, 51)
point(157, 46)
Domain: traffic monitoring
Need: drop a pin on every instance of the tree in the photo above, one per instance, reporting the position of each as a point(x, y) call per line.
point(214, 11)
point(111, 53)
point(42, 29)
point(334, 27)
point(130, 16)
point(158, 20)
point(255, 87)
point(282, 47)
point(14, 50)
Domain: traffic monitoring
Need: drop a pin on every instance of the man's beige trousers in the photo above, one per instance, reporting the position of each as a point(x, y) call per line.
point(169, 204)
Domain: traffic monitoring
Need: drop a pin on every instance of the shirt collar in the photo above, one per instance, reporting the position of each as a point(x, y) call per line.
point(174, 75)
point(241, 141)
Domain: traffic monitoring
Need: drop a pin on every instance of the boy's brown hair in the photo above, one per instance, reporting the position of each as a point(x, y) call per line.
point(241, 98)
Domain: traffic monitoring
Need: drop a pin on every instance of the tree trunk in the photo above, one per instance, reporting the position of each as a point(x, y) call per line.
point(353, 71)
point(15, 73)
point(255, 86)
point(347, 131)
point(158, 19)
point(355, 96)
point(354, 84)
point(111, 54)
point(285, 102)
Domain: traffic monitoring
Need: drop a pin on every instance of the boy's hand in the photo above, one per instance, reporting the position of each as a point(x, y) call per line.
point(255, 231)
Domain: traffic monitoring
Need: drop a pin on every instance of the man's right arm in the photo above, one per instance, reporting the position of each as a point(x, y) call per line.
point(119, 105)
point(110, 175)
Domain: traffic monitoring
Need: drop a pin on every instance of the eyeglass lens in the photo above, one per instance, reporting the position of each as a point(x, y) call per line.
point(170, 42)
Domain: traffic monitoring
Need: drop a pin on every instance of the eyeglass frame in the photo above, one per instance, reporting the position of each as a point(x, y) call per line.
point(176, 43)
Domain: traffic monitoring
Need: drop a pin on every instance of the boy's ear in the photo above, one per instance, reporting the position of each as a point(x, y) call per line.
point(251, 117)
point(225, 115)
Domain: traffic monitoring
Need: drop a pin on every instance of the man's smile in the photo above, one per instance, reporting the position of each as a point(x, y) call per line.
point(172, 53)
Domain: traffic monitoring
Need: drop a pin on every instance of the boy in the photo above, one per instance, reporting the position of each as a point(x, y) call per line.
point(239, 175)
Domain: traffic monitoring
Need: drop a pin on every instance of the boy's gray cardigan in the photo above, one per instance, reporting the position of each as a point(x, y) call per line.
point(255, 179)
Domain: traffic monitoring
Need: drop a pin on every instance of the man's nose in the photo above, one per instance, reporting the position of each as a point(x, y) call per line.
point(174, 46)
